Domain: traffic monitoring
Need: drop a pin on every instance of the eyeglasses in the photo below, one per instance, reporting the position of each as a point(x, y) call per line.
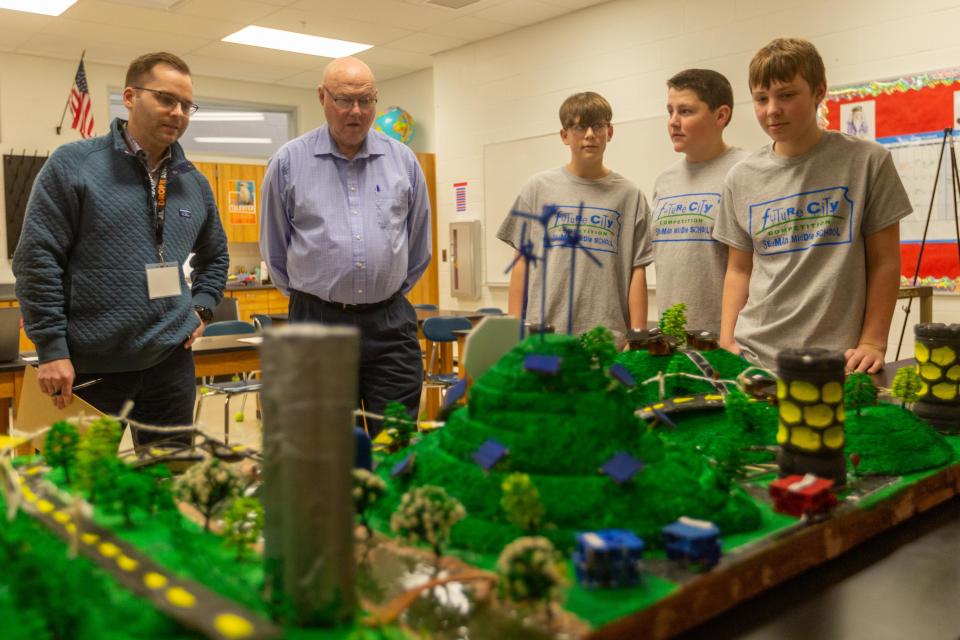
point(582, 128)
point(170, 101)
point(346, 102)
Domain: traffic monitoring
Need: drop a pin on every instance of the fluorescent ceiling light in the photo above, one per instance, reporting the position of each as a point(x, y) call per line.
point(228, 140)
point(295, 42)
point(44, 7)
point(227, 116)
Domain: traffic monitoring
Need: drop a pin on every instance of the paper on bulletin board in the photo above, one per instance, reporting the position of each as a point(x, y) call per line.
point(36, 410)
point(242, 205)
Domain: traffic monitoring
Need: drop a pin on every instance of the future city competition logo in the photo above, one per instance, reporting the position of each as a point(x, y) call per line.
point(599, 228)
point(800, 221)
point(687, 217)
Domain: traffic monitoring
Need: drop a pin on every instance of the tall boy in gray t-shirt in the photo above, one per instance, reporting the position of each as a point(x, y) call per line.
point(812, 225)
point(690, 263)
point(611, 215)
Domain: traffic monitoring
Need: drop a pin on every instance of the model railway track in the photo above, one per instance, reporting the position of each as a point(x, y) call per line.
point(707, 370)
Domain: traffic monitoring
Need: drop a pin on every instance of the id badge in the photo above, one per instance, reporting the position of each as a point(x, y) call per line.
point(163, 280)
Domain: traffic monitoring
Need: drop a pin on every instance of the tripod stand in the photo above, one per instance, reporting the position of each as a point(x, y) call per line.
point(955, 194)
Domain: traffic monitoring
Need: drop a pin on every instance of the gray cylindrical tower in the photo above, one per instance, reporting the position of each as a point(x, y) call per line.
point(309, 394)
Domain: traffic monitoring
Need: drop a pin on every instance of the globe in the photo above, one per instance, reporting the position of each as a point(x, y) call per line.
point(396, 123)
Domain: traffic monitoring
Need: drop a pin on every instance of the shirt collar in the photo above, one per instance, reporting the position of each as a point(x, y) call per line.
point(138, 150)
point(324, 145)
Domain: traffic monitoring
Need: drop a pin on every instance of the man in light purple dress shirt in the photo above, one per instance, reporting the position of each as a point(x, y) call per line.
point(346, 233)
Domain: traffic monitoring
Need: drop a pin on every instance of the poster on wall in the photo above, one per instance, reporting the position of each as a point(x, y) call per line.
point(242, 205)
point(909, 116)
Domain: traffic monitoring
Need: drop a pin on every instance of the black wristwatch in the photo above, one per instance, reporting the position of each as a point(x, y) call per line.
point(205, 313)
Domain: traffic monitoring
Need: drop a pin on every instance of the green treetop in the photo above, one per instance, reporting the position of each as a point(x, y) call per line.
point(208, 485)
point(906, 385)
point(242, 525)
point(367, 489)
point(736, 408)
point(60, 447)
point(96, 450)
point(530, 571)
point(859, 391)
point(521, 502)
point(673, 322)
point(398, 423)
point(600, 344)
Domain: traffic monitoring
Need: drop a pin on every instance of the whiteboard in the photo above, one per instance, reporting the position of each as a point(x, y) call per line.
point(639, 150)
point(916, 163)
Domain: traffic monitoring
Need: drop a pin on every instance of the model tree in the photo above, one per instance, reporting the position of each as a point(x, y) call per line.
point(858, 391)
point(521, 502)
point(161, 482)
point(530, 572)
point(60, 447)
point(123, 489)
point(242, 525)
point(398, 422)
point(208, 485)
point(673, 322)
point(736, 408)
point(427, 514)
point(95, 452)
point(367, 489)
point(600, 345)
point(906, 386)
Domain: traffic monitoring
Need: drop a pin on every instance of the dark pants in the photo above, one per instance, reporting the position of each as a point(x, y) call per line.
point(163, 395)
point(391, 363)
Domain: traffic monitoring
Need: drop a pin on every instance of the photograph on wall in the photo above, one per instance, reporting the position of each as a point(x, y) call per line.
point(242, 205)
point(859, 119)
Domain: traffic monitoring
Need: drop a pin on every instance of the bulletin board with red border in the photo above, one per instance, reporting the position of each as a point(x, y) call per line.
point(909, 115)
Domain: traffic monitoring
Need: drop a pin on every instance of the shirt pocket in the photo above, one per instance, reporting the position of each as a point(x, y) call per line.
point(391, 212)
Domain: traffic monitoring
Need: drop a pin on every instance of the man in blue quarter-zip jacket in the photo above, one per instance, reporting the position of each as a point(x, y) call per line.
point(109, 222)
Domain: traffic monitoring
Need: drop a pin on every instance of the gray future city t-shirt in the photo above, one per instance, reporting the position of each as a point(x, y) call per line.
point(690, 263)
point(804, 219)
point(612, 222)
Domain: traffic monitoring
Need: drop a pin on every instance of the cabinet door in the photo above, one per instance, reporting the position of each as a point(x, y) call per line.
point(238, 197)
point(427, 290)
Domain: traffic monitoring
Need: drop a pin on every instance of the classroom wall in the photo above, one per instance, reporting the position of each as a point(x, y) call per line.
point(33, 91)
point(510, 86)
point(414, 93)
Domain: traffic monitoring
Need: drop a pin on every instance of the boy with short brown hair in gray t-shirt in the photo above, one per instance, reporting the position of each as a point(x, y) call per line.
point(610, 213)
point(690, 263)
point(811, 222)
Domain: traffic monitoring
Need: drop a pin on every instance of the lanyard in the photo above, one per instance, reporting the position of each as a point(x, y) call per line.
point(159, 208)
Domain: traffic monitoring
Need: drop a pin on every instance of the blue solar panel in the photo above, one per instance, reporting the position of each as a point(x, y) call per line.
point(489, 454)
point(621, 467)
point(544, 365)
point(454, 393)
point(622, 375)
point(403, 467)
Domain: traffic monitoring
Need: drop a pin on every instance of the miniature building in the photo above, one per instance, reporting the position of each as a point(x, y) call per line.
point(936, 348)
point(608, 559)
point(800, 495)
point(652, 340)
point(692, 540)
point(810, 400)
point(703, 340)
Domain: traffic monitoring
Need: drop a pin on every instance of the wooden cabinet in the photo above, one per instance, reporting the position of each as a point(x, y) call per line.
point(237, 189)
point(251, 301)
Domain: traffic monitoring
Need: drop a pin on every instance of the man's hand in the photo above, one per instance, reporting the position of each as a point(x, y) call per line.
point(866, 357)
point(56, 380)
point(196, 333)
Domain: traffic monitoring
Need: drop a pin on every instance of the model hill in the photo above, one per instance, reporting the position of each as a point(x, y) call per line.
point(560, 430)
point(887, 438)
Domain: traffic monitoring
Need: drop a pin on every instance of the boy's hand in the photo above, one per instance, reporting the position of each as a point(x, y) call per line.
point(866, 357)
point(730, 345)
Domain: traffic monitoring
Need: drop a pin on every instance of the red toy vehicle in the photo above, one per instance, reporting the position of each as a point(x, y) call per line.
point(800, 495)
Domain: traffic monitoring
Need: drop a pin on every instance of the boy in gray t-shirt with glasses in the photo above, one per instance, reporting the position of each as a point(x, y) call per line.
point(812, 225)
point(611, 215)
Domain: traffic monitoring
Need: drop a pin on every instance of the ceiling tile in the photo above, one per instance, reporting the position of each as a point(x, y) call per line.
point(470, 28)
point(395, 58)
point(259, 55)
point(402, 15)
point(244, 70)
point(573, 5)
point(426, 43)
point(521, 12)
point(243, 11)
point(143, 39)
point(318, 24)
point(69, 48)
point(139, 18)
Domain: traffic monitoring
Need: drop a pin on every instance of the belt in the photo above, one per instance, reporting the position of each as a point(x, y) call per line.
point(357, 308)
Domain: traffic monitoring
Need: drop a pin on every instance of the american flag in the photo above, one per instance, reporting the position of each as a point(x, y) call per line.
point(80, 104)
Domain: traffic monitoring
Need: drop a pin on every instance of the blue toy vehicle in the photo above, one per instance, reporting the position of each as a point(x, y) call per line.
point(690, 540)
point(608, 559)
